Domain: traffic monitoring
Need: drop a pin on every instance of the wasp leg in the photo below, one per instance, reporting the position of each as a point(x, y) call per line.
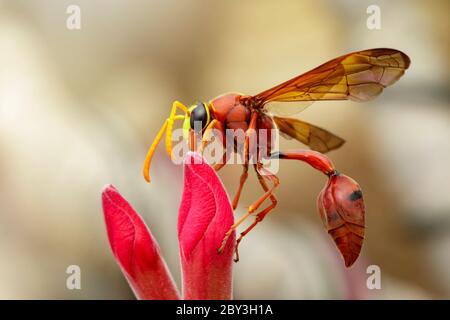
point(252, 207)
point(243, 178)
point(151, 150)
point(275, 182)
point(230, 231)
point(214, 124)
point(250, 131)
point(191, 140)
point(225, 158)
point(260, 216)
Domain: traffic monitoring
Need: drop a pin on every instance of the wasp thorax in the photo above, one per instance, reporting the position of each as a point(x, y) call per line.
point(199, 114)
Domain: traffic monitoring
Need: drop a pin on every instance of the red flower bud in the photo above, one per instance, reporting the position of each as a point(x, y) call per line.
point(205, 216)
point(341, 208)
point(135, 249)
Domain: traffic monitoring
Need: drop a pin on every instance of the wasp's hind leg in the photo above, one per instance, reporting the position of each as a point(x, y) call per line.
point(262, 214)
point(268, 194)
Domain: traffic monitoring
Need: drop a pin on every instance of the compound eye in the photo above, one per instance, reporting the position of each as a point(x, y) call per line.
point(199, 114)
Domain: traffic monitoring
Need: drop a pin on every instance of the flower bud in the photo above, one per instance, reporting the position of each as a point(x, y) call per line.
point(205, 216)
point(135, 249)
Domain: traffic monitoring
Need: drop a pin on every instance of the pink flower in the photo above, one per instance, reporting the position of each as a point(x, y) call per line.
point(205, 216)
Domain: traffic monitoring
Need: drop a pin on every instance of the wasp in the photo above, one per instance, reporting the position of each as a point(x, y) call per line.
point(359, 76)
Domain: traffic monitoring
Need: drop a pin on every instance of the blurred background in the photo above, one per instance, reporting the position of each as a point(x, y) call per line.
point(79, 108)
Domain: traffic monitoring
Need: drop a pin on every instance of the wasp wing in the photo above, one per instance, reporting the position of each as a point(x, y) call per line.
point(357, 76)
point(316, 138)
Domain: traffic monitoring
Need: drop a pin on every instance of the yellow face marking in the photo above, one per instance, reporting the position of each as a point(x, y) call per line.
point(208, 116)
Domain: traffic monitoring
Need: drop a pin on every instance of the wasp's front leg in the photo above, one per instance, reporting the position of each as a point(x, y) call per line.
point(206, 137)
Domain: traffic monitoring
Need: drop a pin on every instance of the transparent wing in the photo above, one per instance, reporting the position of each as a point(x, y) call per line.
point(316, 138)
point(287, 109)
point(357, 76)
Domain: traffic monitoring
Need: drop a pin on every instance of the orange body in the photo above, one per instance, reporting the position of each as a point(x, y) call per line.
point(233, 114)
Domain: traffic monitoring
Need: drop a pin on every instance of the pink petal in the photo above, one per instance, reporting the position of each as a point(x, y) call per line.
point(205, 216)
point(135, 249)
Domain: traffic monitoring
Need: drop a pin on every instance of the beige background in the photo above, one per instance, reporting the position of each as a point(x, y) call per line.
point(78, 110)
